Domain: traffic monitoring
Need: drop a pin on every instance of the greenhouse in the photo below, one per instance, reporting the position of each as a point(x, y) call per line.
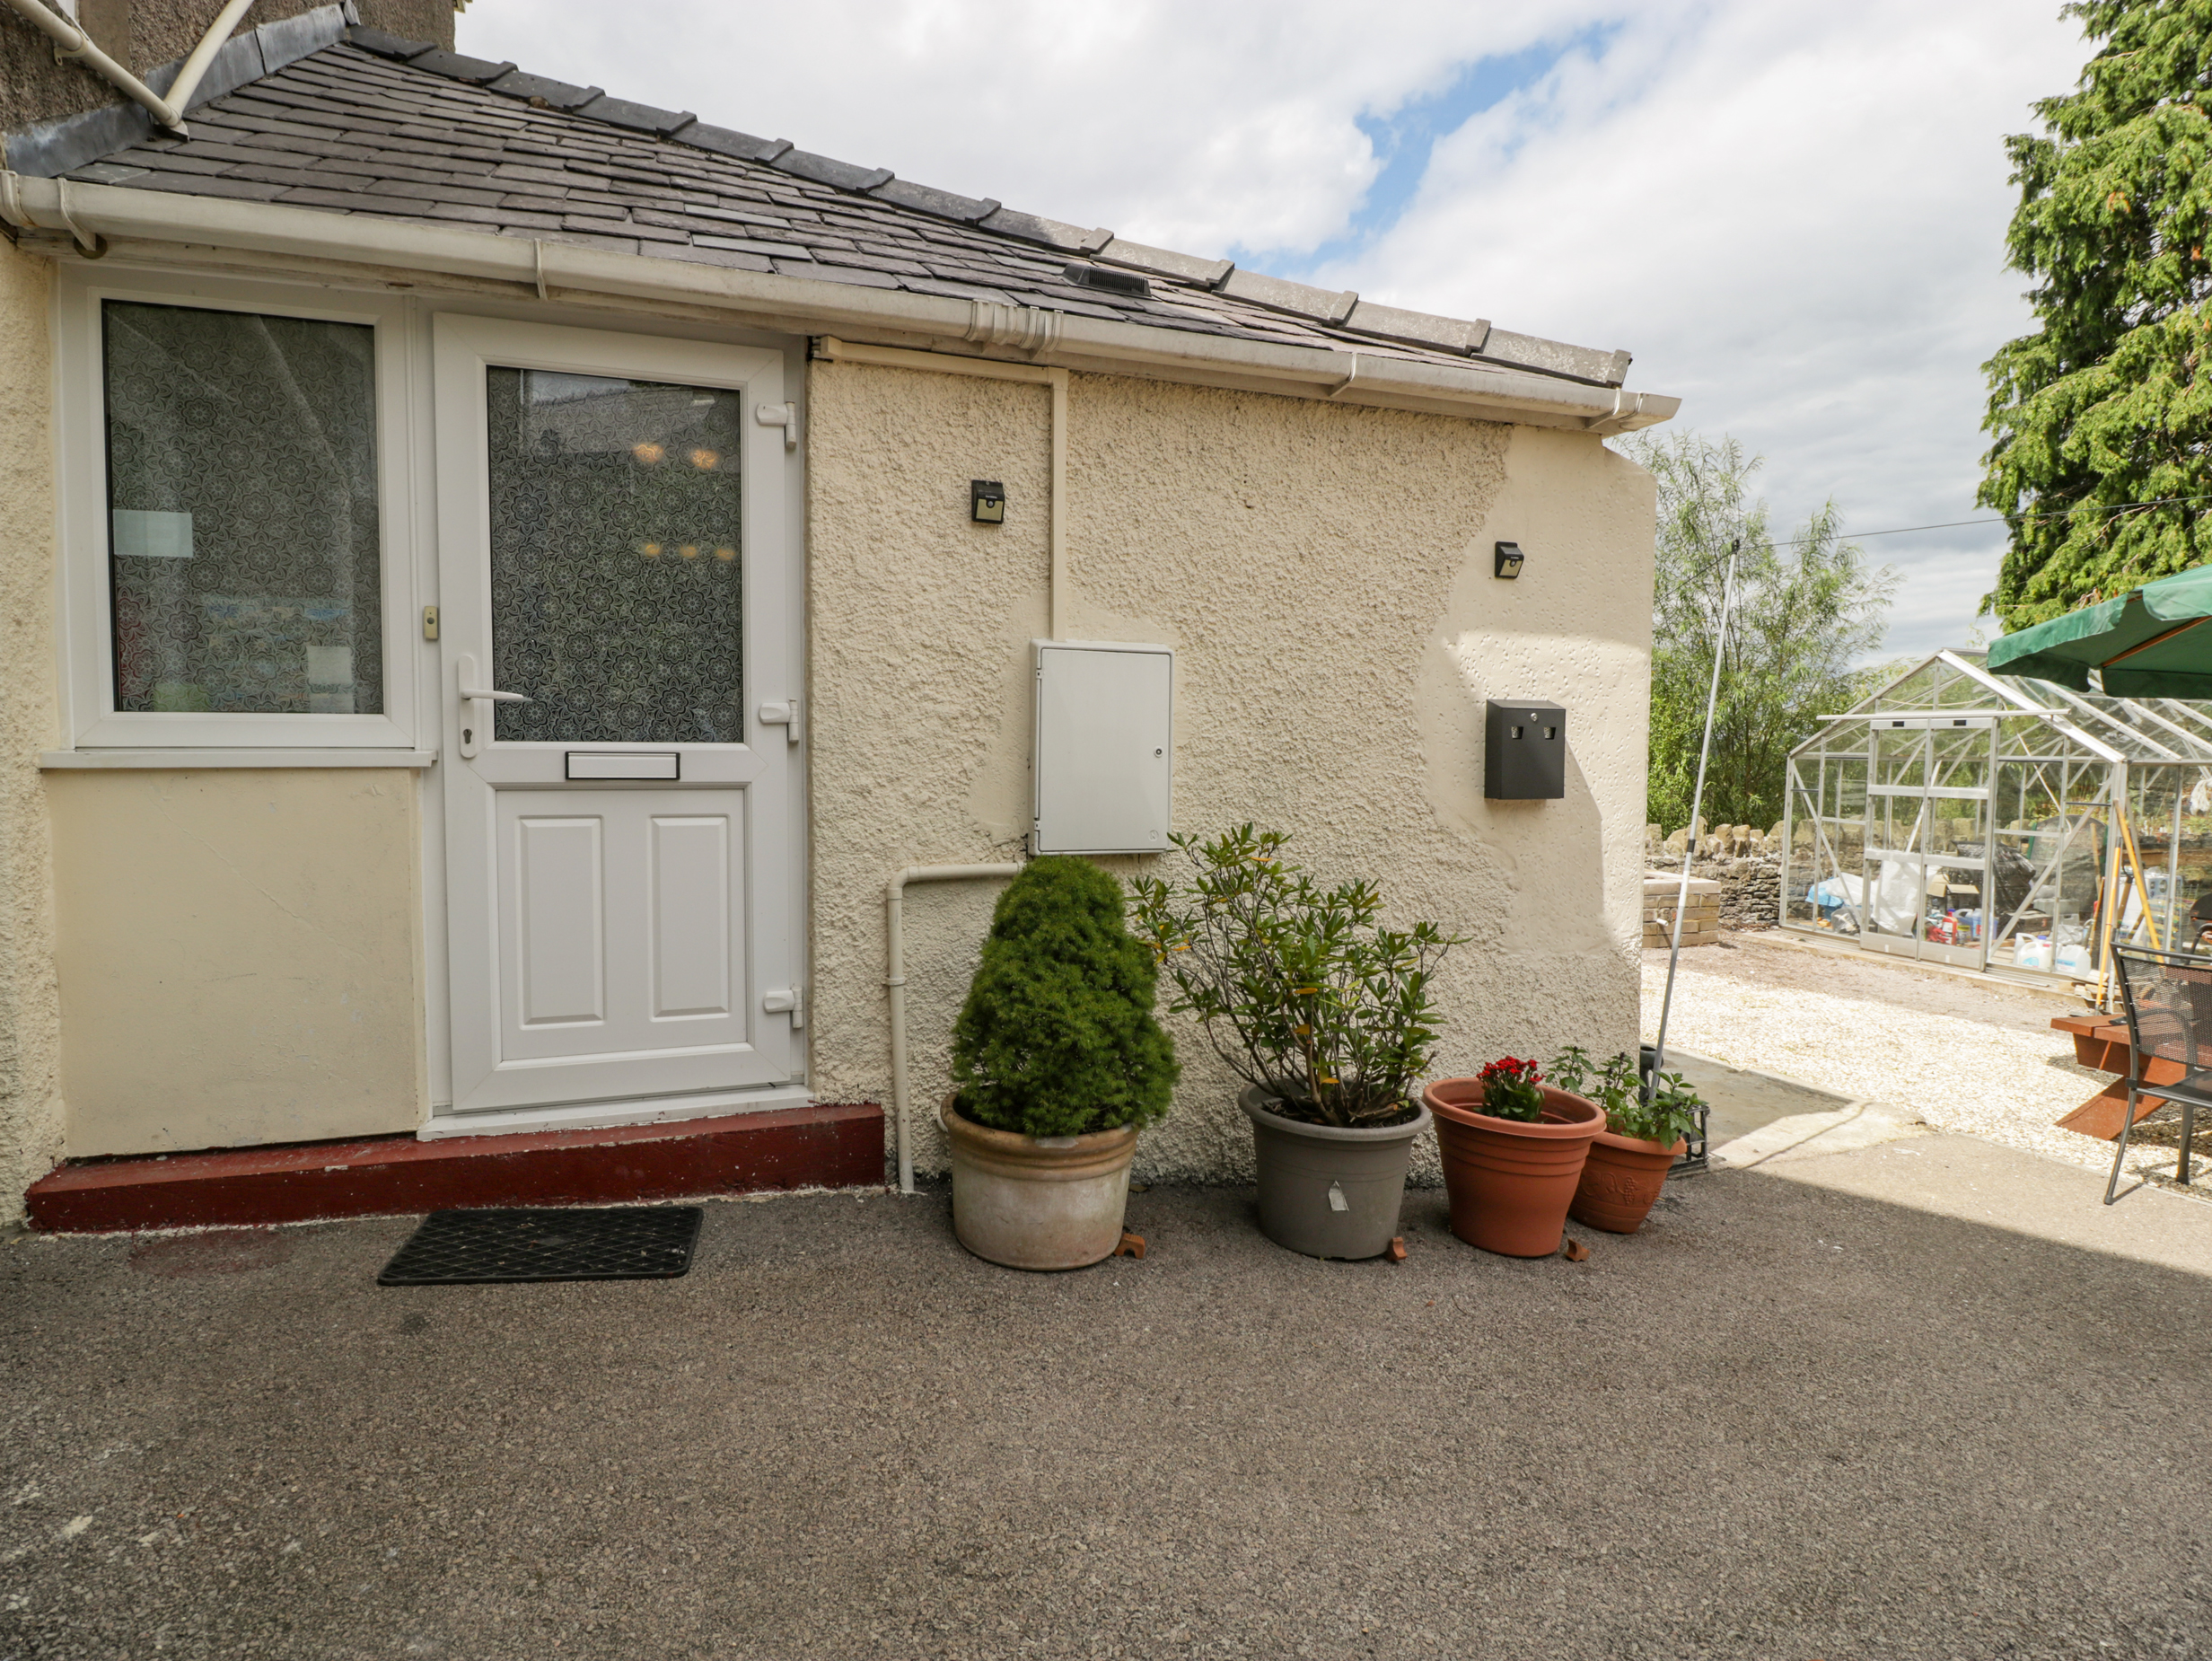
point(2000, 822)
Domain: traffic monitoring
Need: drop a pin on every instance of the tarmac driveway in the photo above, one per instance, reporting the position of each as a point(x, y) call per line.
point(1921, 1399)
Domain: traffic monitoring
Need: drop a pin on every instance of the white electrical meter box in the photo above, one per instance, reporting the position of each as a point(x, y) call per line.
point(1105, 747)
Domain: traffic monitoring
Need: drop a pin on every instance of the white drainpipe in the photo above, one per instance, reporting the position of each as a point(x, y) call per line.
point(74, 42)
point(895, 978)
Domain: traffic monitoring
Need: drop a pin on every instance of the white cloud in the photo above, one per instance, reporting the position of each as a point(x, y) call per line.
point(1793, 214)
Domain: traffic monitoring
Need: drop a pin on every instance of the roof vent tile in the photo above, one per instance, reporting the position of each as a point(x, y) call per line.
point(385, 44)
point(637, 118)
point(1108, 281)
point(557, 94)
point(929, 199)
point(1167, 262)
point(1051, 233)
point(457, 66)
point(1452, 334)
point(1303, 298)
point(829, 170)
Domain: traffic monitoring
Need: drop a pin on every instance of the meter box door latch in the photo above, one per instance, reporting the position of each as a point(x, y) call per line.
point(1105, 756)
point(1524, 752)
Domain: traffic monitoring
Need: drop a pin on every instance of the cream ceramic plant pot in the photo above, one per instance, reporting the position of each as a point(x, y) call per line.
point(1037, 1202)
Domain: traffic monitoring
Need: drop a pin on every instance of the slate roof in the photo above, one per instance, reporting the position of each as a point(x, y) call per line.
point(353, 121)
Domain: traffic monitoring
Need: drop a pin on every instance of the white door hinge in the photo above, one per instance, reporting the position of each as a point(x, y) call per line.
point(785, 416)
point(792, 1002)
point(784, 714)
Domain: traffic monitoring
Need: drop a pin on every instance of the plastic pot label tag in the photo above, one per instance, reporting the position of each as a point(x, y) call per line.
point(1336, 1201)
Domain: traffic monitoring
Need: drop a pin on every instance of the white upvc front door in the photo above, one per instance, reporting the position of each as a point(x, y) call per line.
point(617, 591)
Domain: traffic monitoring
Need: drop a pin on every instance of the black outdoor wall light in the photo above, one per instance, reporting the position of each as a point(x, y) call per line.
point(987, 501)
point(1509, 558)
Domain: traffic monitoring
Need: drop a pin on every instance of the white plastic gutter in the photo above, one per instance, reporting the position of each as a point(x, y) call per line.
point(833, 350)
point(895, 978)
point(71, 41)
point(223, 227)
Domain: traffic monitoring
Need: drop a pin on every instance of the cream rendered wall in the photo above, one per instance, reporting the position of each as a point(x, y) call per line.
point(30, 1116)
point(1325, 574)
point(240, 955)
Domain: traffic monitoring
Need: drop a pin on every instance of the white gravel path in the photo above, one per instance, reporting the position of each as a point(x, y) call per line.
point(1958, 1055)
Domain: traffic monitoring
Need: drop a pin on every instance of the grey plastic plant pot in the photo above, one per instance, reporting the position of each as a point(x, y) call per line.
point(1328, 1192)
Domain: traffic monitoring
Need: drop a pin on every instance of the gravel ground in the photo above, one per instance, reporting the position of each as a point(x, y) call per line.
point(1825, 1416)
point(1963, 1055)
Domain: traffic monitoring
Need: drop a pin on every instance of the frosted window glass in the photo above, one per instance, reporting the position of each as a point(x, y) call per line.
point(617, 575)
point(242, 496)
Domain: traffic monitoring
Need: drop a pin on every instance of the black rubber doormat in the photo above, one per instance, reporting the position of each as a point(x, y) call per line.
point(545, 1242)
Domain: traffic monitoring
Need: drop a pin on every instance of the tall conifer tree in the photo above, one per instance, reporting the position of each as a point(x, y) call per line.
point(2109, 401)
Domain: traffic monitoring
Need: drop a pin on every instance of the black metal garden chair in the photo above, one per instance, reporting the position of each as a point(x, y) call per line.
point(2168, 999)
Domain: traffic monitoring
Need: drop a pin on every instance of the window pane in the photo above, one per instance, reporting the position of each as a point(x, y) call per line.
point(241, 496)
point(616, 577)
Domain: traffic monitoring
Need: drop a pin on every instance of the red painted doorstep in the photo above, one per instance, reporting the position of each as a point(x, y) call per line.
point(817, 1146)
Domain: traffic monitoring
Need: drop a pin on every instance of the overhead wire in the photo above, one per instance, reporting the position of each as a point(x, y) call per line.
point(1953, 524)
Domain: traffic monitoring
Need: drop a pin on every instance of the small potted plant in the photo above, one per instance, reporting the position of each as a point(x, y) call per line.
point(1512, 1148)
point(1646, 1132)
point(1324, 1014)
point(1057, 1062)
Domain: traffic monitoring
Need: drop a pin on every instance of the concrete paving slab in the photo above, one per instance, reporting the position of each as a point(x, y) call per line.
point(1858, 1405)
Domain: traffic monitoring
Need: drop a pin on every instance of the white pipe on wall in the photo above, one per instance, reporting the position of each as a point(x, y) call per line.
point(895, 979)
point(74, 42)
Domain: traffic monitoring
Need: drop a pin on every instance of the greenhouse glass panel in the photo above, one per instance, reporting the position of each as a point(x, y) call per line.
point(2001, 823)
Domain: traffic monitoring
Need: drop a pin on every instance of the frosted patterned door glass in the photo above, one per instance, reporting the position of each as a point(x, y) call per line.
point(241, 512)
point(617, 581)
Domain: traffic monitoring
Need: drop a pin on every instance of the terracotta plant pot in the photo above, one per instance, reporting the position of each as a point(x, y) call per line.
point(1510, 1183)
point(1326, 1191)
point(1621, 1182)
point(1037, 1202)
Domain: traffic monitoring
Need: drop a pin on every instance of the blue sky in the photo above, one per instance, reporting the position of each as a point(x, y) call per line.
point(1404, 137)
point(1792, 213)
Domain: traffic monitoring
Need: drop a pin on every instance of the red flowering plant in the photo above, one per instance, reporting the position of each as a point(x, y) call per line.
point(1510, 1090)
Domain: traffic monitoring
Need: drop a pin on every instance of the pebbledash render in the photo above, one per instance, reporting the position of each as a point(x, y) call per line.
point(499, 580)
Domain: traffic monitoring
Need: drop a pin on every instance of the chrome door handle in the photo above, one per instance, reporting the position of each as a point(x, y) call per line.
point(464, 679)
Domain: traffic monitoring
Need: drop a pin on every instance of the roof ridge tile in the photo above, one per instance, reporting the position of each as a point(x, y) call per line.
point(1285, 295)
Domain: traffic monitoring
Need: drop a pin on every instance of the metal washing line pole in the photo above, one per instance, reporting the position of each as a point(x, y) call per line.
point(1697, 805)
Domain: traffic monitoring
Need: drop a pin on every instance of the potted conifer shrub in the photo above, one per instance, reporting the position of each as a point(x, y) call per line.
point(1323, 1013)
point(1057, 1062)
point(1646, 1132)
point(1514, 1148)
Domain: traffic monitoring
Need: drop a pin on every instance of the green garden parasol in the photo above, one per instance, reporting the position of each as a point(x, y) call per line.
point(2152, 642)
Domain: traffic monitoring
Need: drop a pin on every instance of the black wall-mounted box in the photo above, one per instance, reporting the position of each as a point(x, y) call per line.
point(1524, 752)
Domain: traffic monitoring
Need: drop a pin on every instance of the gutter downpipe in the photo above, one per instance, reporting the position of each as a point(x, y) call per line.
point(895, 979)
point(74, 42)
point(802, 305)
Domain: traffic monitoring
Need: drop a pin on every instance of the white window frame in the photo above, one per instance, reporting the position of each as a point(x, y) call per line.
point(90, 720)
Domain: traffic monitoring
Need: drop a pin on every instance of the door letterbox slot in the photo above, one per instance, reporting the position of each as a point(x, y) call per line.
point(622, 764)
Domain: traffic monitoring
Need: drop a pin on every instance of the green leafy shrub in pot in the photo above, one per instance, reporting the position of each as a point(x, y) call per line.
point(1668, 1113)
point(1058, 1037)
point(1301, 991)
